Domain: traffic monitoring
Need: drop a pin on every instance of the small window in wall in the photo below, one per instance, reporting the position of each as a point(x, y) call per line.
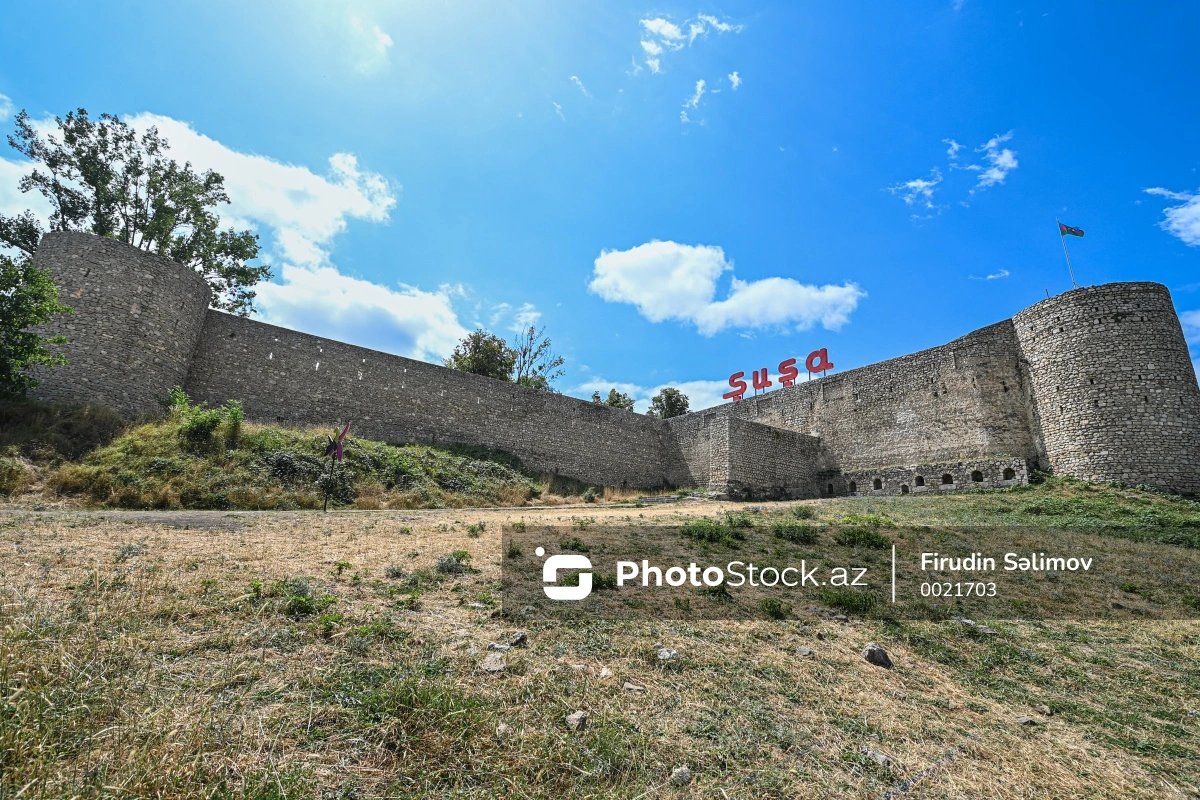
point(977, 476)
point(1010, 474)
point(831, 490)
point(877, 484)
point(947, 478)
point(904, 488)
point(853, 487)
point(920, 481)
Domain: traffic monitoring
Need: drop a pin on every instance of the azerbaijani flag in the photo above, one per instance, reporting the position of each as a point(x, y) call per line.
point(1067, 230)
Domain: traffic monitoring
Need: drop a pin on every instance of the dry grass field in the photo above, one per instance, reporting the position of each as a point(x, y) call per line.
point(295, 654)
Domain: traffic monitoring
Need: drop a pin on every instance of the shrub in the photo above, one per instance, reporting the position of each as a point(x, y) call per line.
point(773, 608)
point(454, 563)
point(795, 532)
point(862, 537)
point(13, 477)
point(128, 551)
point(589, 495)
point(804, 512)
point(574, 543)
point(848, 600)
point(738, 519)
point(711, 531)
point(234, 417)
point(296, 597)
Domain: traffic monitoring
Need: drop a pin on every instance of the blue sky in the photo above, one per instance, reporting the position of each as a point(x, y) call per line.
point(676, 191)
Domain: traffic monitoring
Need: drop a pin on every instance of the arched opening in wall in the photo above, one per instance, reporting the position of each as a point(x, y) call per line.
point(904, 488)
point(920, 481)
point(831, 490)
point(853, 487)
point(877, 484)
point(977, 476)
point(947, 479)
point(1009, 474)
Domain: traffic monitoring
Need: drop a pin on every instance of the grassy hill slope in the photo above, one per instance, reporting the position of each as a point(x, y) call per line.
point(199, 458)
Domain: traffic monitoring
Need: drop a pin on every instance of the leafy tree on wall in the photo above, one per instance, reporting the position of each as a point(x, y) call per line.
point(534, 363)
point(28, 297)
point(485, 354)
point(615, 399)
point(668, 403)
point(102, 177)
point(528, 360)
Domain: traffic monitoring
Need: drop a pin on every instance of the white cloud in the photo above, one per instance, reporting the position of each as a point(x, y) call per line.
point(516, 320)
point(715, 24)
point(667, 280)
point(369, 45)
point(558, 110)
point(693, 101)
point(575, 80)
point(995, 276)
point(667, 32)
point(660, 36)
point(1000, 161)
point(735, 80)
point(301, 213)
point(525, 316)
point(12, 200)
point(1182, 221)
point(918, 191)
point(6, 107)
point(1191, 326)
point(303, 210)
point(322, 301)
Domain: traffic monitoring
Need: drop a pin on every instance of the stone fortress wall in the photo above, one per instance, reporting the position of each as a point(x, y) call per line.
point(1095, 383)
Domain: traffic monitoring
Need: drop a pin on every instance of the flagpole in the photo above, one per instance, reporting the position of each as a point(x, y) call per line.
point(1067, 253)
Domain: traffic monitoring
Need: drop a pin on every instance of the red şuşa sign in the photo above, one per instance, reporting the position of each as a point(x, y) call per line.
point(817, 361)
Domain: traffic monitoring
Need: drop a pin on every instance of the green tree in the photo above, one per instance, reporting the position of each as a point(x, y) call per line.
point(483, 353)
point(615, 399)
point(28, 297)
point(102, 177)
point(534, 363)
point(668, 403)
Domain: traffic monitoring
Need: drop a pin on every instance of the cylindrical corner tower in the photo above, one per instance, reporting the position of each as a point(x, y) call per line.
point(1114, 389)
point(137, 319)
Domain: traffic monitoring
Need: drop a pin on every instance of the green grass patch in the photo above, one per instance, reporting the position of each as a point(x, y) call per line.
point(201, 458)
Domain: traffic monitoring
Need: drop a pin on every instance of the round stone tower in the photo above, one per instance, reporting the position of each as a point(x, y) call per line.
point(1113, 387)
point(137, 319)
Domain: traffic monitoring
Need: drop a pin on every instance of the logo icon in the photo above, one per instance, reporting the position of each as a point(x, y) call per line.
point(567, 561)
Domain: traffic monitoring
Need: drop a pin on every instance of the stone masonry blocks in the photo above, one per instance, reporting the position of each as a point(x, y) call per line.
point(137, 320)
point(1096, 383)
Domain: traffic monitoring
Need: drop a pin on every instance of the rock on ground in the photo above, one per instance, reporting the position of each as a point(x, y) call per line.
point(874, 654)
point(681, 776)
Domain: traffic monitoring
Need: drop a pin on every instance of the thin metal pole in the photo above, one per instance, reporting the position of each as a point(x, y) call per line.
point(1067, 253)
